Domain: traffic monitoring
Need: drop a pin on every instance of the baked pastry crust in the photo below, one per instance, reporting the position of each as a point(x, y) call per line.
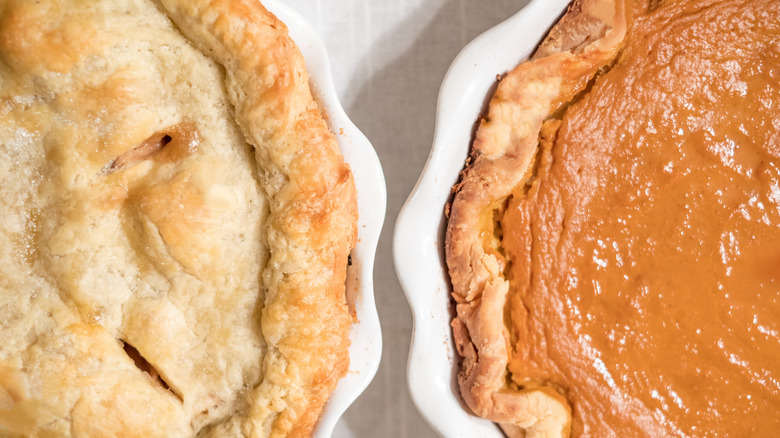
point(169, 186)
point(587, 38)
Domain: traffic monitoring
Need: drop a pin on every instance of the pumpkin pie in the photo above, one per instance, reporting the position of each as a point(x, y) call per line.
point(614, 241)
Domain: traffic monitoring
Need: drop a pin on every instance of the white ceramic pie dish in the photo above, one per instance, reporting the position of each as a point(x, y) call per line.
point(366, 348)
point(419, 232)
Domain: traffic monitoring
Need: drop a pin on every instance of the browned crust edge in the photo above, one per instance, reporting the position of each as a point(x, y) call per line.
point(586, 38)
point(313, 209)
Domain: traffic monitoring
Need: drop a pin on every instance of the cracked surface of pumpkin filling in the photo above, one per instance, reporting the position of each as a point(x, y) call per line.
point(637, 261)
point(176, 222)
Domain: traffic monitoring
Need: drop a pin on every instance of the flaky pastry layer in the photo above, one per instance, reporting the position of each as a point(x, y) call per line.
point(177, 219)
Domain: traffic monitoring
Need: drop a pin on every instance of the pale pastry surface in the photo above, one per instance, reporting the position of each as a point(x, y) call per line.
point(176, 223)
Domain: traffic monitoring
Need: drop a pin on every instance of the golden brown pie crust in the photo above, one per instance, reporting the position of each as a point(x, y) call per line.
point(177, 222)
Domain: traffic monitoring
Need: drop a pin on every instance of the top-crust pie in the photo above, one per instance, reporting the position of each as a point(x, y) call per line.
point(614, 242)
point(176, 223)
